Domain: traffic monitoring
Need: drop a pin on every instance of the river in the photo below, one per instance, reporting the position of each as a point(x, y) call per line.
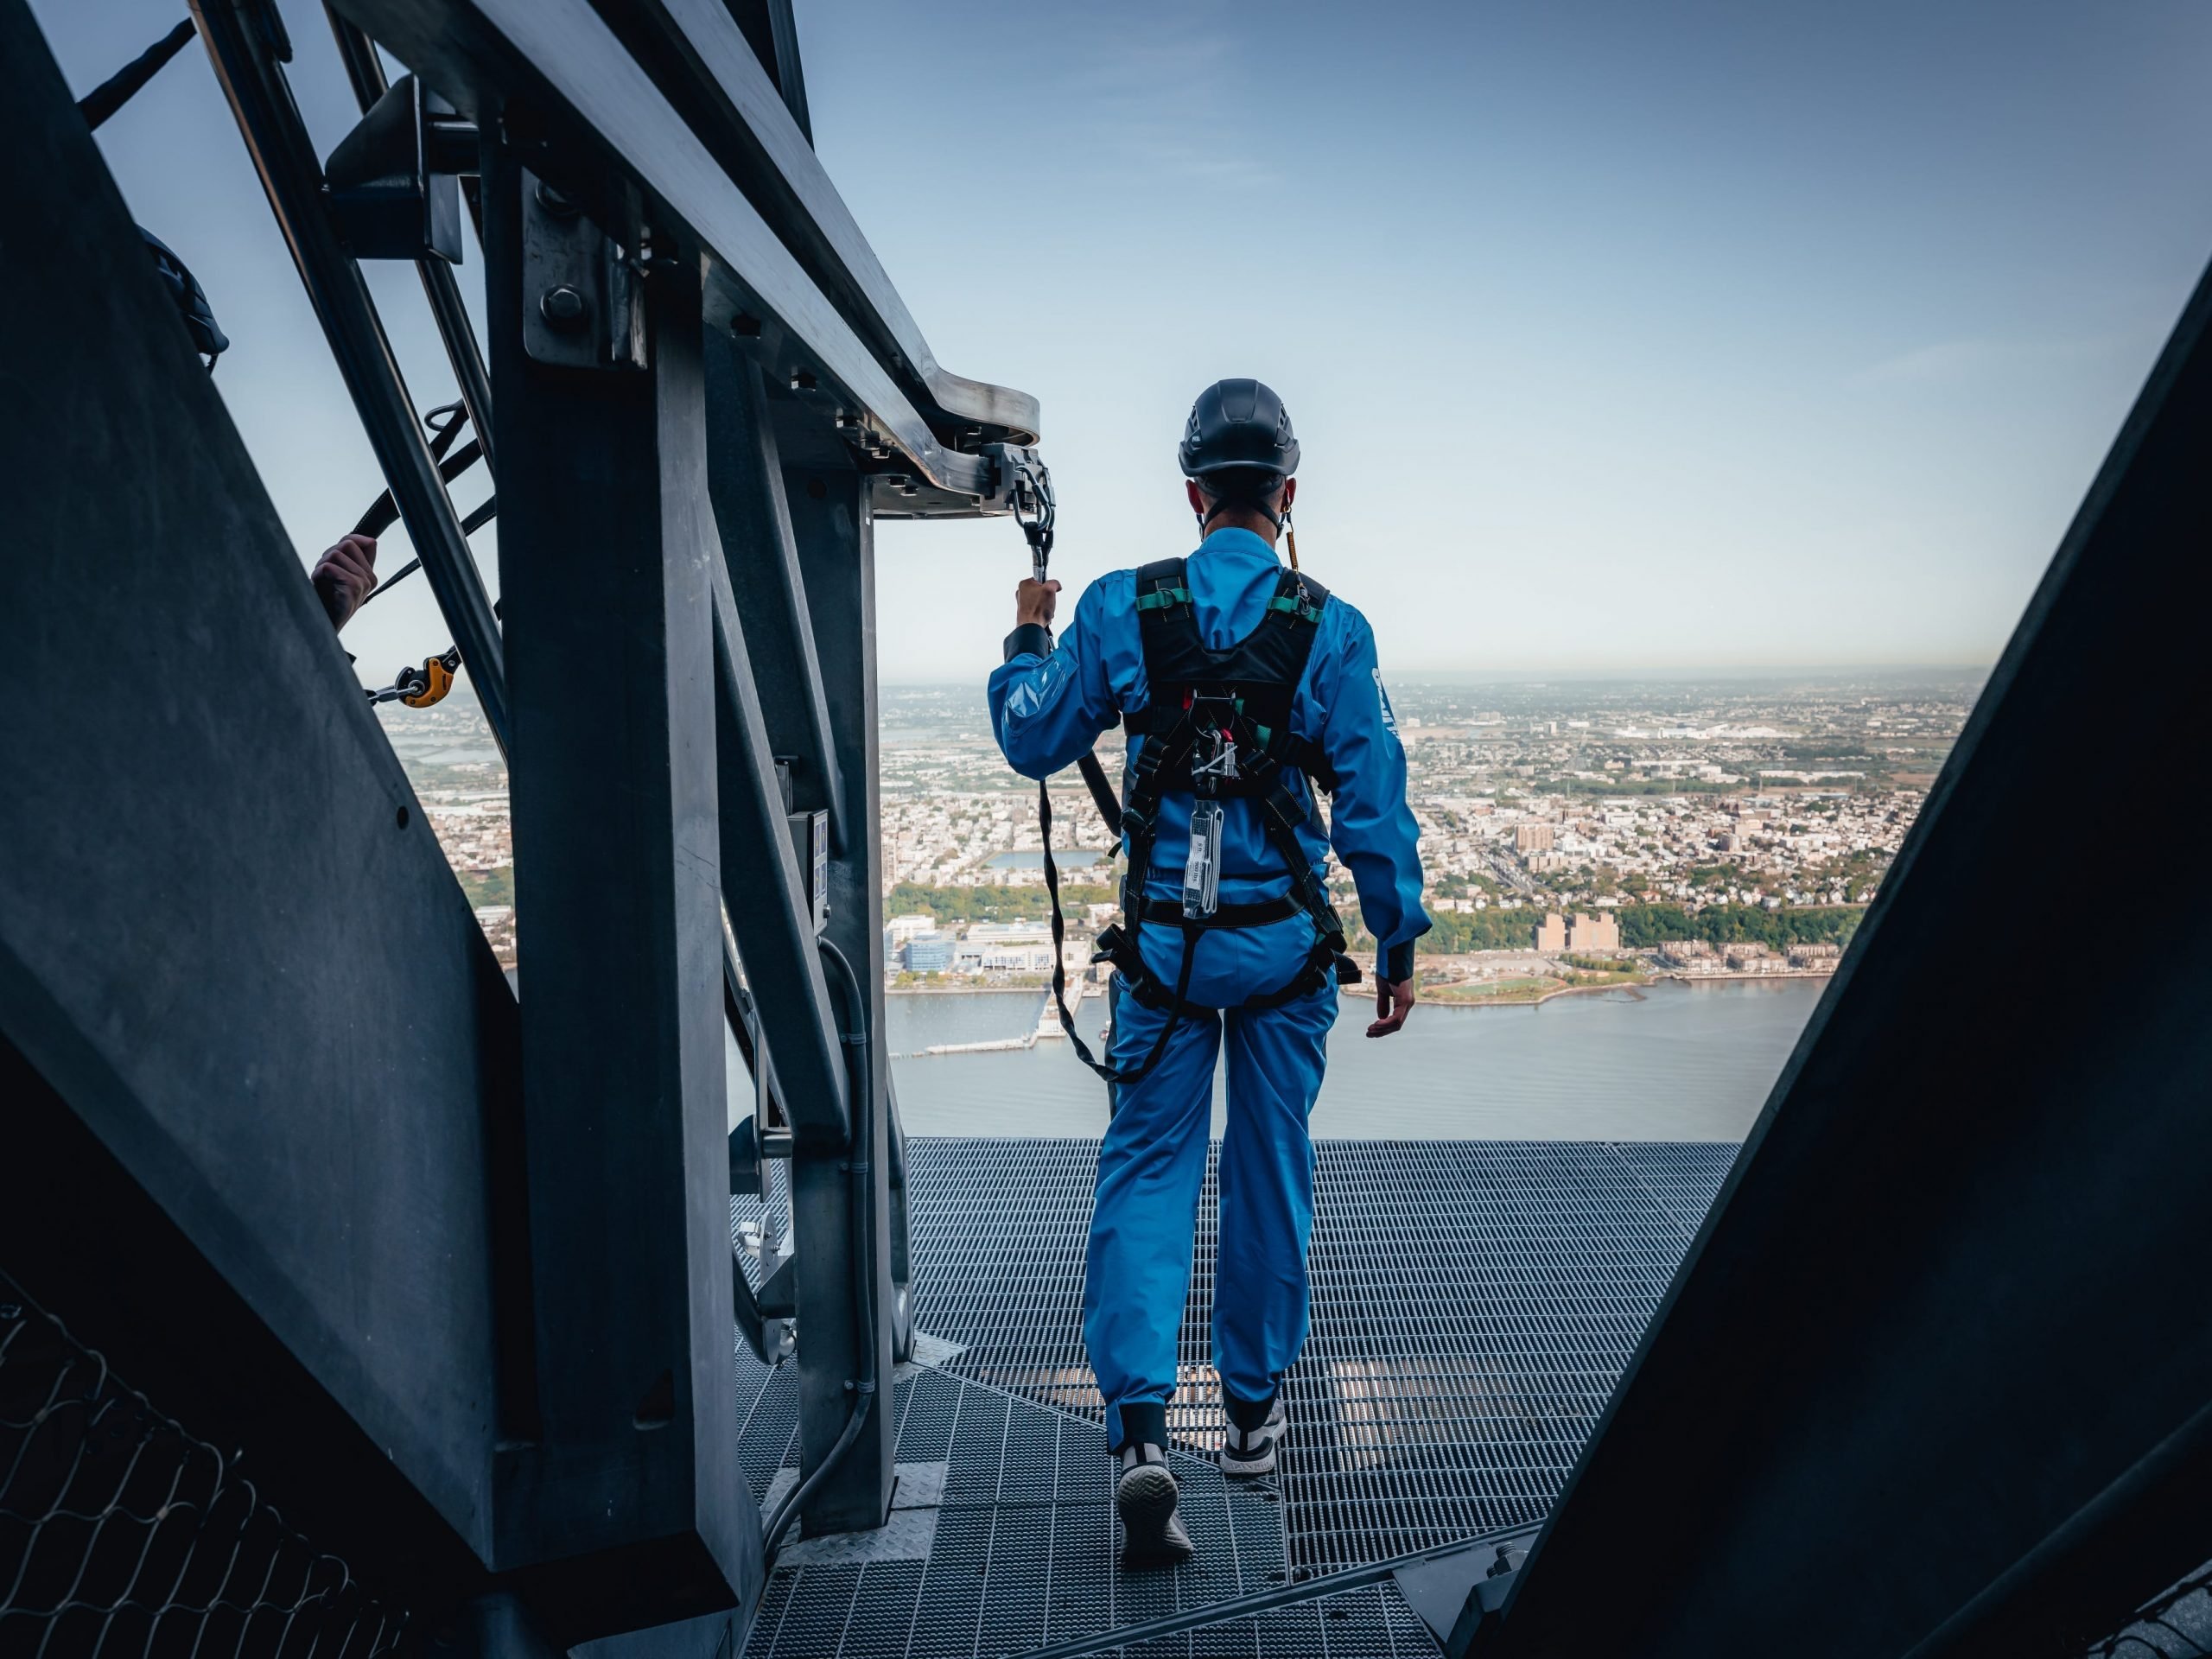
point(1675, 1062)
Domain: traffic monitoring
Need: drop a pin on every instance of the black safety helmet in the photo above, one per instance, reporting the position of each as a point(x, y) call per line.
point(1238, 425)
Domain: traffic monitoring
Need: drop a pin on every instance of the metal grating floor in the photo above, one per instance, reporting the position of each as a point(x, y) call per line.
point(1473, 1304)
point(1022, 1551)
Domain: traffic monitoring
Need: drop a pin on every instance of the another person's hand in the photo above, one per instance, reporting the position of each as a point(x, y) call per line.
point(343, 576)
point(1035, 601)
point(1394, 1000)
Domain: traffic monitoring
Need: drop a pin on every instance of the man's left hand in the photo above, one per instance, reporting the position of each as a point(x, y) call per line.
point(1035, 601)
point(343, 576)
point(1394, 1000)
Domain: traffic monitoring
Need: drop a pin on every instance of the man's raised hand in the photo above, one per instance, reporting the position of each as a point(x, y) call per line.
point(343, 576)
point(1035, 601)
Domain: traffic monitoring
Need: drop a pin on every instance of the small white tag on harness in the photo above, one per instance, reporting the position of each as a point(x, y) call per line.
point(1202, 870)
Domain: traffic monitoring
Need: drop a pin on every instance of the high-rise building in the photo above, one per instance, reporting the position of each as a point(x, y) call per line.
point(927, 953)
point(1599, 933)
point(900, 928)
point(1534, 837)
point(1551, 933)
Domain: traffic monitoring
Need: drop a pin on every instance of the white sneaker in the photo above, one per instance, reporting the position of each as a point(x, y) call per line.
point(1246, 1452)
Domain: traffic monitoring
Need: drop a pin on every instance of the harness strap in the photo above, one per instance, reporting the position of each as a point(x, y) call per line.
point(1170, 734)
point(1136, 1074)
point(1168, 912)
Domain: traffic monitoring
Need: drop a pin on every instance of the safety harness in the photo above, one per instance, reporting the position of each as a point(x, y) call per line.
point(1218, 726)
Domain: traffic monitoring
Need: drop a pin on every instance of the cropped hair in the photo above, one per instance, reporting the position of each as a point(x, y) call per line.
point(1238, 486)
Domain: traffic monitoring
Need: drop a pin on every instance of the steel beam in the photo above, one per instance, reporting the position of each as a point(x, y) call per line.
point(364, 71)
point(628, 1508)
point(763, 890)
point(754, 518)
point(591, 113)
point(1934, 1376)
point(713, 70)
point(829, 517)
point(291, 176)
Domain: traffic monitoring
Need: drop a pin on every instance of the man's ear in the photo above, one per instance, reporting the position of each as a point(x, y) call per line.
point(1192, 494)
point(1289, 492)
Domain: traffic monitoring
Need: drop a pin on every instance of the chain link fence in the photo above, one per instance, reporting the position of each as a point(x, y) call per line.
point(122, 1533)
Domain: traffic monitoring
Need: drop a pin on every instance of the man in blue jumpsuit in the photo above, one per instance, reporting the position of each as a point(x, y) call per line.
point(1257, 965)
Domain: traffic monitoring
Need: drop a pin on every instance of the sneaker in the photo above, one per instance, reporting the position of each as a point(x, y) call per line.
point(1248, 1452)
point(1152, 1533)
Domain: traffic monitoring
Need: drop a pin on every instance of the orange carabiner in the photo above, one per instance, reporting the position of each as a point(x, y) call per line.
point(437, 680)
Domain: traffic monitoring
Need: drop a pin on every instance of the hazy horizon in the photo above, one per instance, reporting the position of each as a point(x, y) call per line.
point(1702, 340)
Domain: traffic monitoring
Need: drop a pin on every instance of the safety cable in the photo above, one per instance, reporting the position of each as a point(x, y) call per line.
point(861, 1062)
point(1036, 512)
point(119, 88)
point(419, 687)
point(384, 512)
point(478, 516)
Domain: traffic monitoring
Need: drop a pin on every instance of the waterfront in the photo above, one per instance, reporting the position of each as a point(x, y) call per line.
point(1672, 1062)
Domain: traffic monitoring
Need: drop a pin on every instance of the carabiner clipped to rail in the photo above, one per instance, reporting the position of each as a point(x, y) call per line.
point(1026, 483)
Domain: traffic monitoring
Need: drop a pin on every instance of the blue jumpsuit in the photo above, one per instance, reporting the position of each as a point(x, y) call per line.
point(1047, 710)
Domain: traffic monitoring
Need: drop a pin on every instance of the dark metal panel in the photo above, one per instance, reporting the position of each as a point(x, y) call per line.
point(626, 1504)
point(755, 521)
point(1944, 1330)
point(211, 853)
point(830, 518)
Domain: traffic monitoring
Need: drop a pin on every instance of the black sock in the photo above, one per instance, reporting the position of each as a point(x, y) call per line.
point(1144, 1423)
point(1247, 1414)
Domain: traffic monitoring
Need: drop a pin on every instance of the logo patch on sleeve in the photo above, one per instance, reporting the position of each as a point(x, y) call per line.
point(1390, 718)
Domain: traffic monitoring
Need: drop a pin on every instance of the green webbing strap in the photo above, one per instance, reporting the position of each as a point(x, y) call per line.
point(1161, 599)
point(1289, 604)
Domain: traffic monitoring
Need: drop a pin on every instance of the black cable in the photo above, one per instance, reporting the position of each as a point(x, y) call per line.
point(479, 516)
point(861, 1075)
point(383, 513)
point(119, 88)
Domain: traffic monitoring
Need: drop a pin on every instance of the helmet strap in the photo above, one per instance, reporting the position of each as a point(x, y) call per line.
point(1224, 504)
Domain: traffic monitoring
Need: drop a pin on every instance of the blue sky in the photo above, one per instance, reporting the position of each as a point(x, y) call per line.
point(1618, 335)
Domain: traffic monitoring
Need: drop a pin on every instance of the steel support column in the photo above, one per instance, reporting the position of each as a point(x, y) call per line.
point(631, 1491)
point(837, 544)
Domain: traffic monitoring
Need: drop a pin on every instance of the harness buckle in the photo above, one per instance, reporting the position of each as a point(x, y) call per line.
point(1220, 763)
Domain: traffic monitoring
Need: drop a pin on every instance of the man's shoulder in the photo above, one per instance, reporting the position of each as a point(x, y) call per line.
point(1115, 591)
point(1345, 620)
